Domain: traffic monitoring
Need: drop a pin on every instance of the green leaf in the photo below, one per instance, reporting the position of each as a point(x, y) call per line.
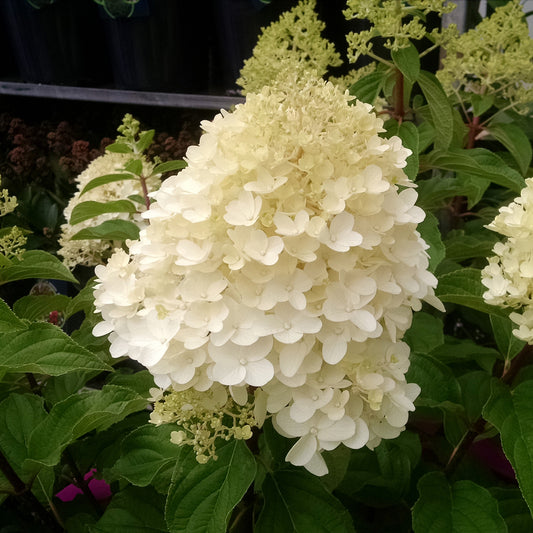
point(141, 382)
point(169, 166)
point(477, 162)
point(426, 136)
point(440, 108)
point(463, 287)
point(107, 178)
point(297, 501)
point(202, 497)
point(119, 148)
point(516, 141)
point(19, 414)
point(90, 209)
point(433, 192)
point(464, 350)
point(9, 321)
point(462, 507)
point(39, 306)
point(508, 344)
point(133, 510)
point(146, 453)
point(83, 301)
point(425, 333)
point(368, 88)
point(36, 264)
point(145, 140)
point(77, 415)
point(43, 348)
point(430, 232)
point(59, 388)
point(408, 62)
point(111, 230)
point(461, 246)
point(135, 166)
point(510, 411)
point(481, 103)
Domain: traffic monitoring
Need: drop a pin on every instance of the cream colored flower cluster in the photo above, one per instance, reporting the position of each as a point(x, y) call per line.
point(509, 274)
point(285, 259)
point(96, 251)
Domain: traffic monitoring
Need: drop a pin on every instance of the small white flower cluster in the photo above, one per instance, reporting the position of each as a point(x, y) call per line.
point(96, 251)
point(284, 258)
point(509, 274)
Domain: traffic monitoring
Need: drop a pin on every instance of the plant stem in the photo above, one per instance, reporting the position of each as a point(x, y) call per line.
point(507, 377)
point(30, 504)
point(145, 192)
point(473, 129)
point(399, 111)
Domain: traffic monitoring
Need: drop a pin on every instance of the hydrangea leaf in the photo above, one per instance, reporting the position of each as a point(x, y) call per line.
point(85, 210)
point(513, 509)
point(9, 321)
point(461, 246)
point(202, 497)
point(463, 287)
point(407, 60)
point(83, 301)
point(508, 344)
point(516, 141)
point(108, 178)
point(429, 230)
point(475, 391)
point(510, 411)
point(36, 264)
point(145, 140)
point(440, 108)
point(462, 350)
point(477, 162)
point(45, 349)
point(169, 166)
point(119, 230)
point(77, 415)
point(37, 307)
point(19, 414)
point(135, 166)
point(146, 453)
point(133, 510)
point(481, 103)
point(463, 506)
point(368, 88)
point(297, 501)
point(425, 333)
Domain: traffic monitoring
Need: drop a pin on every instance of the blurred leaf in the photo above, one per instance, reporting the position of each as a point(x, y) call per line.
point(145, 140)
point(37, 307)
point(481, 103)
point(135, 166)
point(463, 287)
point(462, 507)
point(425, 333)
point(108, 178)
point(297, 501)
point(85, 210)
point(77, 415)
point(119, 148)
point(430, 232)
point(169, 166)
point(36, 264)
point(202, 496)
point(407, 60)
point(513, 509)
point(111, 230)
point(510, 411)
point(461, 246)
point(133, 510)
point(475, 390)
point(440, 108)
point(368, 88)
point(516, 141)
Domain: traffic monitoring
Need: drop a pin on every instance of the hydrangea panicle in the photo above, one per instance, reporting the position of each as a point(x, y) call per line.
point(285, 260)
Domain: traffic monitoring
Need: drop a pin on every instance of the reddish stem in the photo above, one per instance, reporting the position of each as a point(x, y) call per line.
point(399, 110)
point(473, 130)
point(145, 192)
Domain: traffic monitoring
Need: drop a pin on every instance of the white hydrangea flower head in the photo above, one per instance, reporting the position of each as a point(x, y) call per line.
point(509, 275)
point(284, 259)
point(96, 251)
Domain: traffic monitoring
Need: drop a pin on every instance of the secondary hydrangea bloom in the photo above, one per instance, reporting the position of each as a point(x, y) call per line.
point(294, 43)
point(509, 274)
point(495, 58)
point(96, 251)
point(284, 259)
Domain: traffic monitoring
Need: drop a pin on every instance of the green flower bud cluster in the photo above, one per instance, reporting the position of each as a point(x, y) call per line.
point(203, 417)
